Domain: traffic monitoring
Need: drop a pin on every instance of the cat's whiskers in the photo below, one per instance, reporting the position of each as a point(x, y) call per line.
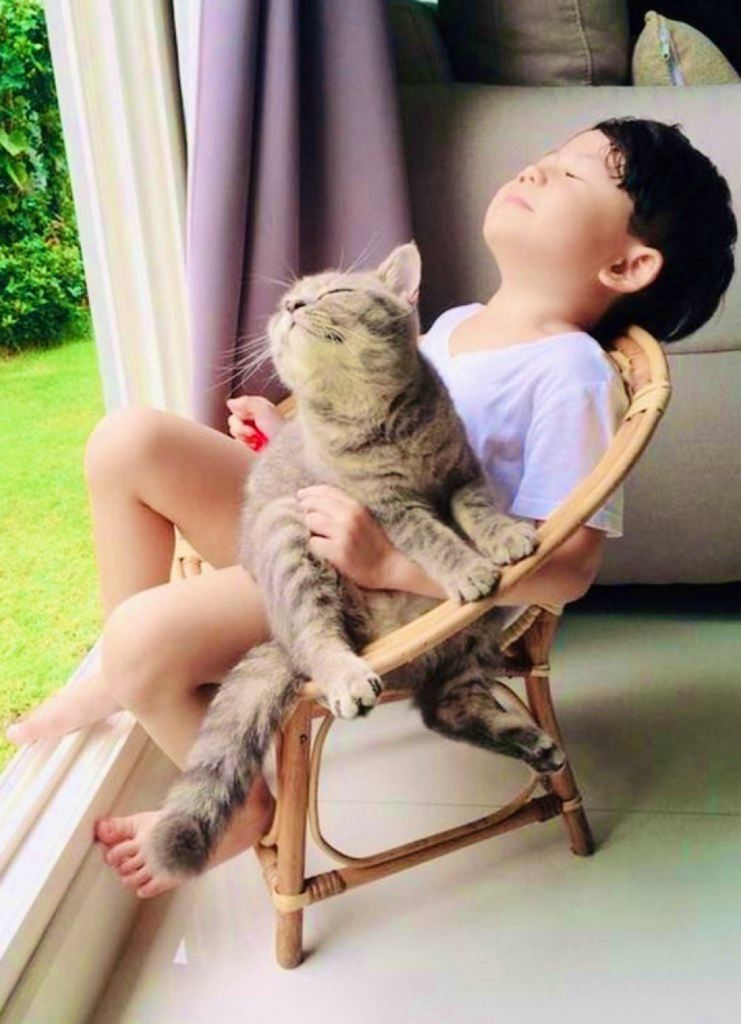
point(284, 284)
point(359, 259)
point(255, 354)
point(244, 369)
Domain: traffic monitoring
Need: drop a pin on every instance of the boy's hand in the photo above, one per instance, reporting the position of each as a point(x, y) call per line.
point(251, 416)
point(347, 535)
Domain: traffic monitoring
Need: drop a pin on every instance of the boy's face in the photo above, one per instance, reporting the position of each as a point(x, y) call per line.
point(564, 214)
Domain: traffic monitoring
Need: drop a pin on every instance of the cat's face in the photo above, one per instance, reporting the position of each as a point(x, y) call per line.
point(336, 334)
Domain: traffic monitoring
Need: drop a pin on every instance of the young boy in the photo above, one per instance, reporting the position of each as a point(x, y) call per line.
point(624, 223)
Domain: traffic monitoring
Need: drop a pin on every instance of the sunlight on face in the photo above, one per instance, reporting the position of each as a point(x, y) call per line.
point(566, 209)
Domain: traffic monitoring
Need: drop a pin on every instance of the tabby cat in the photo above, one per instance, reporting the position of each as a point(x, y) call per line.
point(373, 418)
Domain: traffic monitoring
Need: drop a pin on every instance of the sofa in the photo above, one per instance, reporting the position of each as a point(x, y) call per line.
point(462, 140)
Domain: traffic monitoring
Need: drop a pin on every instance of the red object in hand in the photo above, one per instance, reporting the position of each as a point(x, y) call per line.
point(257, 440)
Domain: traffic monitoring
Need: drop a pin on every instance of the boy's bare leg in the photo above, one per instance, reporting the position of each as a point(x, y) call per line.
point(159, 647)
point(82, 703)
point(146, 471)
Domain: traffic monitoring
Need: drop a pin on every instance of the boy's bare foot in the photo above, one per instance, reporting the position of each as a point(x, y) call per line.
point(127, 849)
point(70, 708)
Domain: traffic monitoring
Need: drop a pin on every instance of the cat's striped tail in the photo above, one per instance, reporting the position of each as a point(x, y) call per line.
point(228, 754)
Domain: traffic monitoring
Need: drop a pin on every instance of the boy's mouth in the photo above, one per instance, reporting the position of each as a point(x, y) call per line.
point(517, 200)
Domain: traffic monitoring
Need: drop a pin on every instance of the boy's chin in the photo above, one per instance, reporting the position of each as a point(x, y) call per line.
point(507, 243)
point(527, 259)
point(496, 245)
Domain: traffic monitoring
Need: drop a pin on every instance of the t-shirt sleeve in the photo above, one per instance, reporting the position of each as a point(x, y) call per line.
point(566, 438)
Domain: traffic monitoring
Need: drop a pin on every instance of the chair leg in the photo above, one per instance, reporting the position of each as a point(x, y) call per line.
point(291, 845)
point(563, 782)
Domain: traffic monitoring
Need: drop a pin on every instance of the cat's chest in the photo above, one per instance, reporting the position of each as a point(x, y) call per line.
point(384, 477)
point(323, 468)
point(427, 458)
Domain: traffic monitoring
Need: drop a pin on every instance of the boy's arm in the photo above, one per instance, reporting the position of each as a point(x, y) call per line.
point(565, 577)
point(346, 534)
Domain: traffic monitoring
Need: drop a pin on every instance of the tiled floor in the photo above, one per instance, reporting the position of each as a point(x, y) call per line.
point(515, 930)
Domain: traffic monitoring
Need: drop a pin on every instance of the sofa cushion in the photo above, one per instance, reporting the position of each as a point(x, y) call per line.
point(418, 47)
point(537, 42)
point(672, 53)
point(683, 497)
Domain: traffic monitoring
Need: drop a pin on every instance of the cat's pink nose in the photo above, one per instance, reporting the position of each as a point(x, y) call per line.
point(293, 304)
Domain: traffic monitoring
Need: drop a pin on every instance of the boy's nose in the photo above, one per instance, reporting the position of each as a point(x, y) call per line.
point(533, 174)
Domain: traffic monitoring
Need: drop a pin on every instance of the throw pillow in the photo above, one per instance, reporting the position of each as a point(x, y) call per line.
point(537, 42)
point(719, 20)
point(672, 53)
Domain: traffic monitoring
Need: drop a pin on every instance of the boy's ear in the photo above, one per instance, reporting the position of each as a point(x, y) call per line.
point(401, 271)
point(637, 269)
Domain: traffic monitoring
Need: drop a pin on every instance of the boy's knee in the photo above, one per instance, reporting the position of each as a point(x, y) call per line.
point(133, 647)
point(122, 440)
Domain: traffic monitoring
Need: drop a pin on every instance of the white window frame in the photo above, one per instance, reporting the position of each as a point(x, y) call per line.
point(64, 916)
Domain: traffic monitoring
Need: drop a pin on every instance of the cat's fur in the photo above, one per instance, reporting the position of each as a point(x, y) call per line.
point(373, 418)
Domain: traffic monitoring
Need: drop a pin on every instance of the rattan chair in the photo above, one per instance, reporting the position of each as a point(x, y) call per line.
point(641, 362)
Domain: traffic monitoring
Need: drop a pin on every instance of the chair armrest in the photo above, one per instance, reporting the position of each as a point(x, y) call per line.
point(406, 643)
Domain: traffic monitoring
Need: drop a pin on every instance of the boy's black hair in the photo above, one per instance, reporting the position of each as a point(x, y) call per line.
point(682, 207)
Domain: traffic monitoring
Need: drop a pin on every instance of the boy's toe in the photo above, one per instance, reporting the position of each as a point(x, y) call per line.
point(19, 733)
point(156, 885)
point(114, 830)
point(130, 865)
point(116, 855)
point(137, 878)
point(149, 888)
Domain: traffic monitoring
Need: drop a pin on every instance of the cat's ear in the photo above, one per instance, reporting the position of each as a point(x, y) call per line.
point(402, 271)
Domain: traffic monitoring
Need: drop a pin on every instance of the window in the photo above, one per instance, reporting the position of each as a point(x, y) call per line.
point(116, 73)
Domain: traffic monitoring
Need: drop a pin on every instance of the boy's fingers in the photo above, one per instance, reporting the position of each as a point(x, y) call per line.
point(246, 404)
point(237, 427)
point(239, 407)
point(321, 547)
point(319, 524)
point(326, 505)
point(328, 497)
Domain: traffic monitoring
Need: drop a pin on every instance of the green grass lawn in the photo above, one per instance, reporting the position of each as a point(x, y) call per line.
point(49, 617)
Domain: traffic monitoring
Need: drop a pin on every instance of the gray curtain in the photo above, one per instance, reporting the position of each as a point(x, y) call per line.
point(295, 165)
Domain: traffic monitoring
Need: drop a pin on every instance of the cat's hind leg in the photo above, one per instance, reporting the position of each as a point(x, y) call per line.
point(464, 708)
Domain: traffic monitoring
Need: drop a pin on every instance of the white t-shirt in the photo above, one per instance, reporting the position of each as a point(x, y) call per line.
point(539, 415)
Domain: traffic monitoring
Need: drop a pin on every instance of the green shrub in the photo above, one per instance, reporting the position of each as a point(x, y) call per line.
point(42, 283)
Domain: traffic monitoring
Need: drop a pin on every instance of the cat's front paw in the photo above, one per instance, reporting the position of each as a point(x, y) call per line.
point(353, 694)
point(479, 579)
point(512, 542)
